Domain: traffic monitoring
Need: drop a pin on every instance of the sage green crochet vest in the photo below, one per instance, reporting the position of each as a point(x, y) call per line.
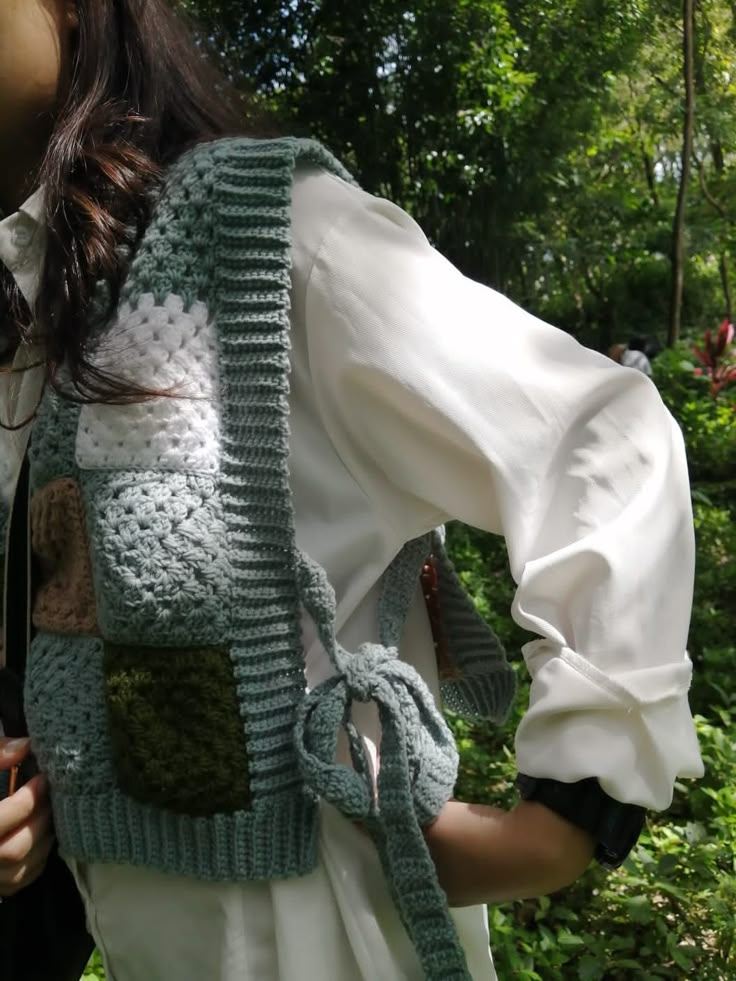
point(165, 687)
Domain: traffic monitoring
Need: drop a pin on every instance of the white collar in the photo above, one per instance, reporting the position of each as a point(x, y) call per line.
point(23, 245)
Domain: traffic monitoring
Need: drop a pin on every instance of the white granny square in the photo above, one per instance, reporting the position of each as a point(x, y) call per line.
point(163, 348)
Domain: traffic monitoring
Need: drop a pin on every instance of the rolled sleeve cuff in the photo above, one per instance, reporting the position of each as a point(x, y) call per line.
point(633, 731)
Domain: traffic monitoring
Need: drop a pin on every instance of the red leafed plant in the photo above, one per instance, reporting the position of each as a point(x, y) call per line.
point(717, 356)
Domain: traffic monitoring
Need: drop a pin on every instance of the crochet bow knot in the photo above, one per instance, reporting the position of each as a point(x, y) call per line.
point(416, 776)
point(367, 672)
point(373, 674)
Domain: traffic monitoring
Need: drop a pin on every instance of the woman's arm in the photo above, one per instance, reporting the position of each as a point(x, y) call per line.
point(488, 855)
point(444, 399)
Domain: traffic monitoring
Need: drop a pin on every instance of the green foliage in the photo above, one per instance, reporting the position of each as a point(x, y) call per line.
point(94, 970)
point(709, 429)
point(710, 436)
point(536, 141)
point(708, 424)
point(712, 634)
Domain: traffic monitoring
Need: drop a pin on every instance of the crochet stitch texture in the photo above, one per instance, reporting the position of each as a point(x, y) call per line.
point(167, 704)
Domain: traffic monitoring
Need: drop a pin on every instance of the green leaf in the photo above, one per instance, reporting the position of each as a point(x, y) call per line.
point(591, 968)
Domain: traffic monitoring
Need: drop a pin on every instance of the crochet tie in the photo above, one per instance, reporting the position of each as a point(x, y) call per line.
point(415, 778)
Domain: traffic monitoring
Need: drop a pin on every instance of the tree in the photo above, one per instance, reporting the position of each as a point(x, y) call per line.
point(538, 142)
point(678, 231)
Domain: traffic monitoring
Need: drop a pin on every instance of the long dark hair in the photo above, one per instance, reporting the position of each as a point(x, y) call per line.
point(136, 92)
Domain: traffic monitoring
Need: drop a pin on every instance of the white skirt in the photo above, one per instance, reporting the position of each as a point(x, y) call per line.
point(336, 924)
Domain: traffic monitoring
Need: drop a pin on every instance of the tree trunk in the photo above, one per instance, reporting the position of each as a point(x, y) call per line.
point(723, 265)
point(678, 228)
point(650, 176)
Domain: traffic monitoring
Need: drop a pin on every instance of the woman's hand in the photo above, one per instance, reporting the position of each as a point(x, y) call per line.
point(487, 855)
point(26, 832)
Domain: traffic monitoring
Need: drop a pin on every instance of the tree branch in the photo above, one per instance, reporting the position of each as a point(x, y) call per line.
point(678, 225)
point(707, 194)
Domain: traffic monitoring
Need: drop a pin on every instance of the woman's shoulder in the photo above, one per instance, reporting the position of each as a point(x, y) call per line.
point(275, 181)
point(320, 200)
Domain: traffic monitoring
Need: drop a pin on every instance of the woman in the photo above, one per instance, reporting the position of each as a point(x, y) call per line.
point(191, 515)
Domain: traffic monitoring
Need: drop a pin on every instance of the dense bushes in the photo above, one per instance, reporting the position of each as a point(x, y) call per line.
point(708, 424)
point(709, 428)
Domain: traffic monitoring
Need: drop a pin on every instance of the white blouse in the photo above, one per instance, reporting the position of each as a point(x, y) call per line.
point(419, 396)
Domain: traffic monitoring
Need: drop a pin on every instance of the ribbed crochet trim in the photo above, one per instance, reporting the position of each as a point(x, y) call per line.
point(265, 843)
point(252, 217)
point(485, 685)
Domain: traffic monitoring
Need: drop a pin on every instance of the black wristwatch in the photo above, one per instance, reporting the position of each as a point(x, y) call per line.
point(615, 826)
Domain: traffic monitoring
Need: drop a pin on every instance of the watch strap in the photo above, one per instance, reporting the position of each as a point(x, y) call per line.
point(614, 826)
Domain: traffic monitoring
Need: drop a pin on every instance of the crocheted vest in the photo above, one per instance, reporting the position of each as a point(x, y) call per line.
point(165, 689)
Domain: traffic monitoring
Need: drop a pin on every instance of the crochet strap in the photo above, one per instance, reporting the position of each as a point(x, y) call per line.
point(483, 684)
point(476, 680)
point(416, 776)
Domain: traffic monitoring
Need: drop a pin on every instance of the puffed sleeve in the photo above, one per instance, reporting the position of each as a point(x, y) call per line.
point(445, 400)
